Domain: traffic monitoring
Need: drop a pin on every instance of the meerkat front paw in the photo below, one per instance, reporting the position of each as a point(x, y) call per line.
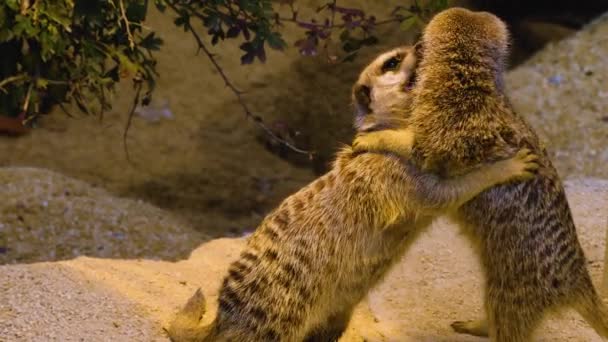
point(394, 141)
point(522, 166)
point(368, 142)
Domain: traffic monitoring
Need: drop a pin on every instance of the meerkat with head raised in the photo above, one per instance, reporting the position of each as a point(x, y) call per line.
point(316, 256)
point(524, 232)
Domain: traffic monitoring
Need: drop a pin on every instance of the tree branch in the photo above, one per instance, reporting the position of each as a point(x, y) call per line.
point(239, 94)
point(126, 21)
point(12, 79)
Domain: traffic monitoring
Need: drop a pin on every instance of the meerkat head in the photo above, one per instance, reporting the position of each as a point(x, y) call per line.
point(456, 31)
point(381, 96)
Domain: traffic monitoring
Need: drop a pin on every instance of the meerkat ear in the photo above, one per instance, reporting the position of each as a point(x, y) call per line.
point(361, 99)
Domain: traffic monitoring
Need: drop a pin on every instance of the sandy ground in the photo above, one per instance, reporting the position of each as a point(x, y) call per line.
point(437, 282)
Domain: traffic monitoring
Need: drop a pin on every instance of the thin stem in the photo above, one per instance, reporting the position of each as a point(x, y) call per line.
point(333, 13)
point(138, 84)
point(26, 102)
point(334, 26)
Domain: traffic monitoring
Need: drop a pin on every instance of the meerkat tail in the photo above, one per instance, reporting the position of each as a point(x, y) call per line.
point(594, 311)
point(186, 325)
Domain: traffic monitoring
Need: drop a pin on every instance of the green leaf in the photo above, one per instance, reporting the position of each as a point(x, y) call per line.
point(151, 42)
point(126, 62)
point(275, 41)
point(13, 4)
point(113, 74)
point(82, 105)
point(91, 11)
point(3, 17)
point(371, 40)
point(351, 45)
point(438, 5)
point(351, 57)
point(246, 5)
point(404, 12)
point(41, 83)
point(24, 27)
point(408, 23)
point(345, 35)
point(161, 5)
point(6, 35)
point(59, 15)
point(183, 20)
point(136, 11)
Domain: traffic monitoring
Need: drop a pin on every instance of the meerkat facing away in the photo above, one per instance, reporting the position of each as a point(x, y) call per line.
point(523, 232)
point(316, 256)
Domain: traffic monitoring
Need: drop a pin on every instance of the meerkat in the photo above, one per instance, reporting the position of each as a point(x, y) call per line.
point(523, 232)
point(317, 255)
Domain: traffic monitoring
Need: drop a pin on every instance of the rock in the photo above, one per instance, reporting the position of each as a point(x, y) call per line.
point(562, 92)
point(45, 216)
point(437, 282)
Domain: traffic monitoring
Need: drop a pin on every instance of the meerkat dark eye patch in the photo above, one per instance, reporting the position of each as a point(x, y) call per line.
point(392, 63)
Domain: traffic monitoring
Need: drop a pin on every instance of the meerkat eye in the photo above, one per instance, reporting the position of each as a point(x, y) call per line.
point(392, 63)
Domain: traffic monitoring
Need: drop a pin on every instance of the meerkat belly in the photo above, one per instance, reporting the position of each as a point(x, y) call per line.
point(539, 250)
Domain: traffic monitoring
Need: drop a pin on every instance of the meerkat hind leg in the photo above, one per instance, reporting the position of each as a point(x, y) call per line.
point(473, 327)
point(508, 322)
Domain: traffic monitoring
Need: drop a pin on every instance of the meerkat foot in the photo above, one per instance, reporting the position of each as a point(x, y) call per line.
point(473, 327)
point(332, 330)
